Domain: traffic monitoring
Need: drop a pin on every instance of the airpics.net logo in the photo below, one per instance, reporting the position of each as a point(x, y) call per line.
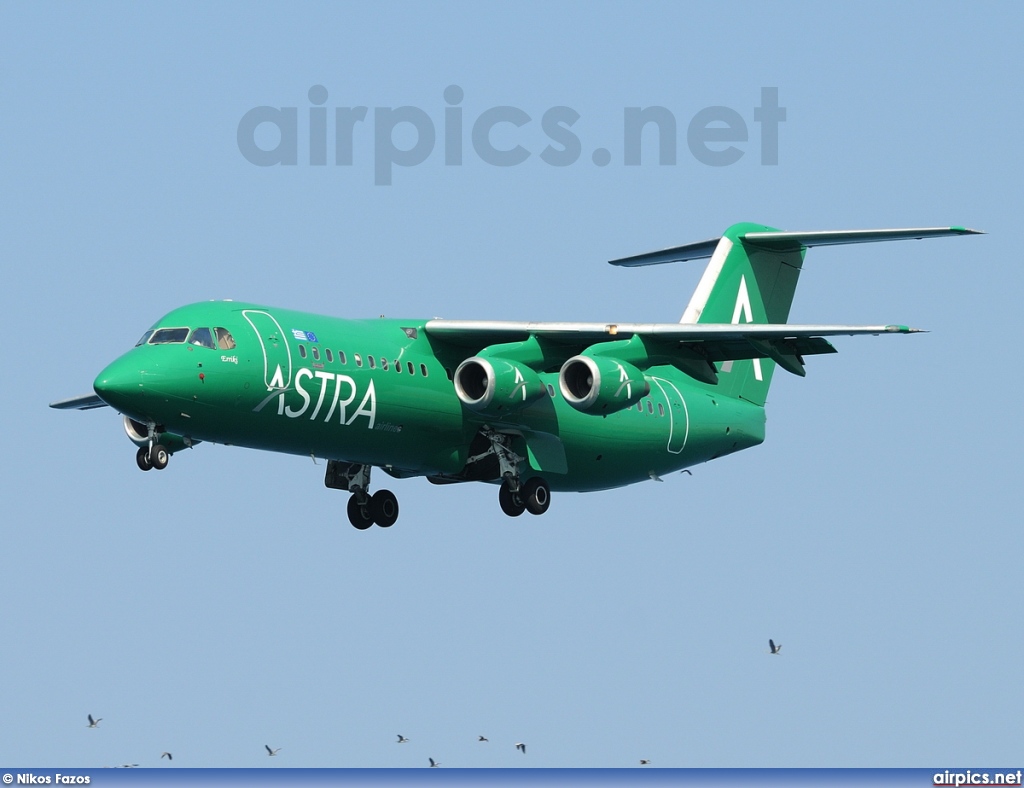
point(407, 136)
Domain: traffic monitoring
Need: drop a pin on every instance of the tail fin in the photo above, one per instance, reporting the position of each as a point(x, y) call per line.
point(752, 277)
point(745, 283)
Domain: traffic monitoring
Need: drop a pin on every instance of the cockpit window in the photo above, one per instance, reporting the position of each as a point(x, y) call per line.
point(202, 337)
point(145, 338)
point(168, 336)
point(224, 339)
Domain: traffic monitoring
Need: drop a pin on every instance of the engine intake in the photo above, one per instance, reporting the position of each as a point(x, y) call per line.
point(495, 386)
point(594, 384)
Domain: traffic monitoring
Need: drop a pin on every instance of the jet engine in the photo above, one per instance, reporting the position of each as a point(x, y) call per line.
point(495, 386)
point(139, 435)
point(600, 385)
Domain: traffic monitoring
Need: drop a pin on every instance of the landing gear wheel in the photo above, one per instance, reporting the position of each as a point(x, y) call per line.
point(158, 457)
point(536, 495)
point(142, 458)
point(359, 516)
point(511, 502)
point(384, 507)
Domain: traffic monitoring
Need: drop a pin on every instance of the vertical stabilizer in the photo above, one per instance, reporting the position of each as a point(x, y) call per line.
point(746, 283)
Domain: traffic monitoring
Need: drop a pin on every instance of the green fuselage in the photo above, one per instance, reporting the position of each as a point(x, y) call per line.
point(380, 393)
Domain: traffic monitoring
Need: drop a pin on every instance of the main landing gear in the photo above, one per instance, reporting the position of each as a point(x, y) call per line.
point(364, 509)
point(515, 497)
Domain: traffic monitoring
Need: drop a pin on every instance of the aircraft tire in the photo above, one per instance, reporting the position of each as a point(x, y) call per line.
point(511, 502)
point(159, 457)
point(142, 458)
point(359, 516)
point(536, 495)
point(384, 507)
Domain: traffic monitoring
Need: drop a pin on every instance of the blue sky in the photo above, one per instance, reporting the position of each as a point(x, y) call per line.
point(226, 603)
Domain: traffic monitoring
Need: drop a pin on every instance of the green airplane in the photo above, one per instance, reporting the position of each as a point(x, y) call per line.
point(532, 407)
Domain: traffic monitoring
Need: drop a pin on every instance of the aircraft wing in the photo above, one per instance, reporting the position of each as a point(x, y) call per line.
point(486, 332)
point(85, 402)
point(691, 347)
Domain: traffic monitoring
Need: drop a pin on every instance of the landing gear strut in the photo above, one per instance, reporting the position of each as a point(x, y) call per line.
point(363, 509)
point(152, 455)
point(533, 495)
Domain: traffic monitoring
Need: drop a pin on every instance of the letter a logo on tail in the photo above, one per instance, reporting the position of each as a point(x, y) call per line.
point(743, 309)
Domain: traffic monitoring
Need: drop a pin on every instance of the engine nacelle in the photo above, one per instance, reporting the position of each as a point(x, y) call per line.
point(495, 386)
point(139, 435)
point(599, 385)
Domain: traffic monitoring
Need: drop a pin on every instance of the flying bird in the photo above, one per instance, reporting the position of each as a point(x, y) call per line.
point(521, 747)
point(401, 739)
point(775, 649)
point(128, 765)
point(686, 470)
point(645, 761)
point(482, 738)
point(167, 755)
point(433, 763)
point(93, 723)
point(270, 751)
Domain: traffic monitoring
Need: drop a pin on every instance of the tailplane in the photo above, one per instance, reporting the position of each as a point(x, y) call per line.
point(752, 278)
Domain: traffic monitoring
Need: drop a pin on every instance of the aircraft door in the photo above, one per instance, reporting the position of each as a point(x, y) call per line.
point(679, 418)
point(277, 357)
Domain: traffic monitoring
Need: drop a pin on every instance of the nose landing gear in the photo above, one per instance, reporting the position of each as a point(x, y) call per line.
point(151, 454)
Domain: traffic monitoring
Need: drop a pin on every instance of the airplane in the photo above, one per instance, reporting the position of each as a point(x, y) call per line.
point(532, 407)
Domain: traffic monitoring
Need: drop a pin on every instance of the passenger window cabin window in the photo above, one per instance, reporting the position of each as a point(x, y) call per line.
point(398, 366)
point(169, 336)
point(412, 369)
point(661, 409)
point(423, 370)
point(341, 357)
point(384, 364)
point(640, 407)
point(302, 350)
point(372, 363)
point(650, 406)
point(224, 339)
point(358, 358)
point(551, 390)
point(330, 356)
point(316, 354)
point(202, 337)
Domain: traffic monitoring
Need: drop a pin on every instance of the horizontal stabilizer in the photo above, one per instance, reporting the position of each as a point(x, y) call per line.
point(677, 254)
point(782, 241)
point(86, 402)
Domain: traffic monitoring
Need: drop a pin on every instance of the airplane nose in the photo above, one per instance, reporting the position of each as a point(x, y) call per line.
point(119, 384)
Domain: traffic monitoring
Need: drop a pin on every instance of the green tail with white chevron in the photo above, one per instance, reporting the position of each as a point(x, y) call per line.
point(746, 283)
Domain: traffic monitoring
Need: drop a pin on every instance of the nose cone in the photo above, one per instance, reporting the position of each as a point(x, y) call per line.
point(120, 384)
